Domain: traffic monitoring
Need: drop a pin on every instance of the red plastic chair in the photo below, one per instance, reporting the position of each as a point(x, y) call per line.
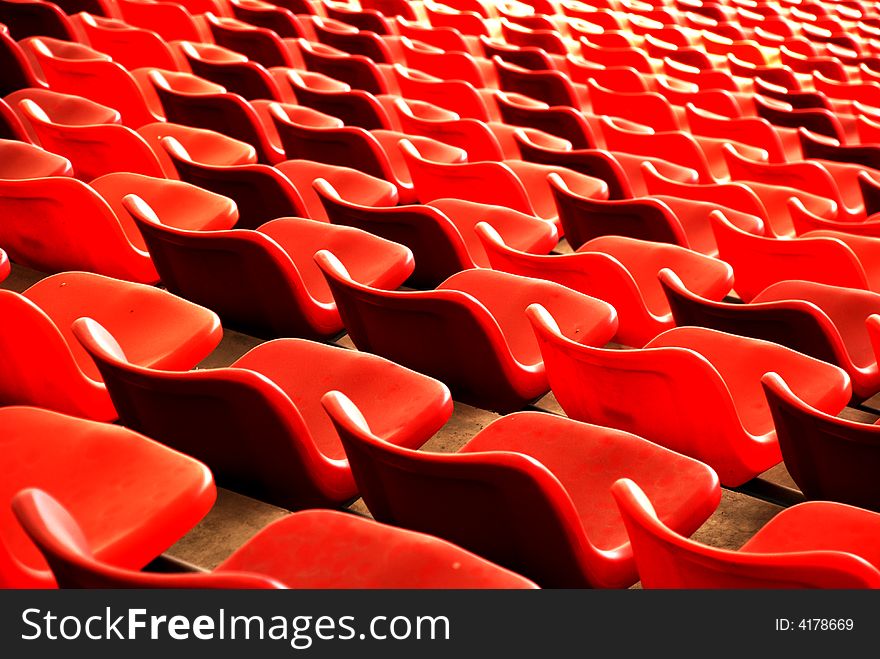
point(829, 458)
point(266, 281)
point(816, 120)
point(355, 107)
point(441, 234)
point(687, 368)
point(79, 70)
point(61, 108)
point(279, 19)
point(470, 332)
point(810, 545)
point(261, 44)
point(552, 87)
point(519, 185)
point(140, 497)
point(825, 322)
point(455, 95)
point(132, 47)
point(449, 65)
point(530, 491)
point(358, 71)
point(621, 271)
point(313, 540)
point(824, 257)
point(834, 149)
point(365, 18)
point(376, 153)
point(192, 101)
point(646, 108)
point(352, 40)
point(47, 368)
point(17, 70)
point(169, 19)
point(781, 144)
point(444, 38)
point(235, 72)
point(665, 219)
point(202, 145)
point(93, 150)
point(258, 424)
point(805, 222)
point(20, 160)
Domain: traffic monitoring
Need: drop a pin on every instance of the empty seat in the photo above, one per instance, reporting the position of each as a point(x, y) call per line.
point(712, 375)
point(829, 458)
point(169, 19)
point(265, 281)
point(519, 185)
point(132, 47)
point(61, 108)
point(258, 424)
point(810, 545)
point(357, 71)
point(562, 121)
point(470, 332)
point(236, 73)
point(262, 44)
point(457, 96)
point(207, 146)
point(20, 160)
point(17, 70)
point(45, 367)
point(825, 257)
point(440, 234)
point(140, 497)
point(516, 493)
point(354, 107)
point(825, 322)
point(314, 542)
point(621, 271)
point(817, 145)
point(26, 18)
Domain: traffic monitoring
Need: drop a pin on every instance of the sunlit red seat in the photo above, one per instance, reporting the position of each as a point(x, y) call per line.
point(279, 19)
point(207, 146)
point(132, 47)
point(622, 271)
point(829, 458)
point(20, 160)
point(355, 107)
point(313, 542)
point(810, 545)
point(17, 70)
point(712, 375)
point(77, 69)
point(61, 108)
point(45, 367)
point(821, 146)
point(265, 282)
point(817, 120)
point(519, 185)
point(258, 44)
point(442, 233)
point(825, 322)
point(358, 71)
point(471, 332)
point(456, 95)
point(530, 491)
point(449, 65)
point(562, 121)
point(258, 424)
point(169, 19)
point(235, 72)
point(552, 87)
point(141, 497)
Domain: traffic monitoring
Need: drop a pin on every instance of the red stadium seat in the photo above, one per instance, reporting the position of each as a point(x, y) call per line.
point(20, 160)
point(811, 545)
point(355, 107)
point(45, 367)
point(141, 497)
point(314, 542)
point(25, 18)
point(258, 424)
point(712, 375)
point(132, 47)
point(518, 493)
point(470, 332)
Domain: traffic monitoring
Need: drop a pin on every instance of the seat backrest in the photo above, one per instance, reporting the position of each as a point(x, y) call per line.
point(244, 276)
point(354, 107)
point(281, 20)
point(434, 240)
point(352, 41)
point(675, 146)
point(550, 87)
point(456, 95)
point(527, 57)
point(223, 112)
point(796, 324)
point(647, 108)
point(93, 150)
point(817, 120)
point(366, 18)
point(818, 146)
point(584, 218)
point(169, 19)
point(442, 64)
point(561, 121)
point(51, 527)
point(503, 506)
point(471, 135)
point(483, 182)
point(239, 423)
point(132, 47)
point(668, 560)
point(248, 79)
point(446, 334)
point(358, 71)
point(17, 72)
point(258, 43)
point(56, 224)
point(829, 458)
point(754, 131)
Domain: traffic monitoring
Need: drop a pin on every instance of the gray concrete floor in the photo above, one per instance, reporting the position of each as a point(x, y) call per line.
point(235, 518)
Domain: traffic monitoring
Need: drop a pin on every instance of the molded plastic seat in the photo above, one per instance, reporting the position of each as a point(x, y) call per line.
point(259, 44)
point(258, 424)
point(352, 40)
point(562, 121)
point(810, 545)
point(457, 96)
point(279, 19)
point(441, 234)
point(781, 144)
point(470, 332)
point(44, 366)
point(80, 70)
point(234, 72)
point(169, 19)
point(17, 70)
point(133, 498)
point(530, 491)
point(20, 160)
point(314, 542)
point(712, 375)
point(519, 185)
point(266, 281)
point(834, 149)
point(206, 146)
point(192, 101)
point(829, 458)
point(817, 120)
point(825, 322)
point(358, 71)
point(62, 108)
point(130, 46)
point(449, 65)
point(664, 219)
point(93, 150)
point(373, 152)
point(552, 87)
point(621, 271)
point(825, 257)
point(805, 222)
point(354, 107)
